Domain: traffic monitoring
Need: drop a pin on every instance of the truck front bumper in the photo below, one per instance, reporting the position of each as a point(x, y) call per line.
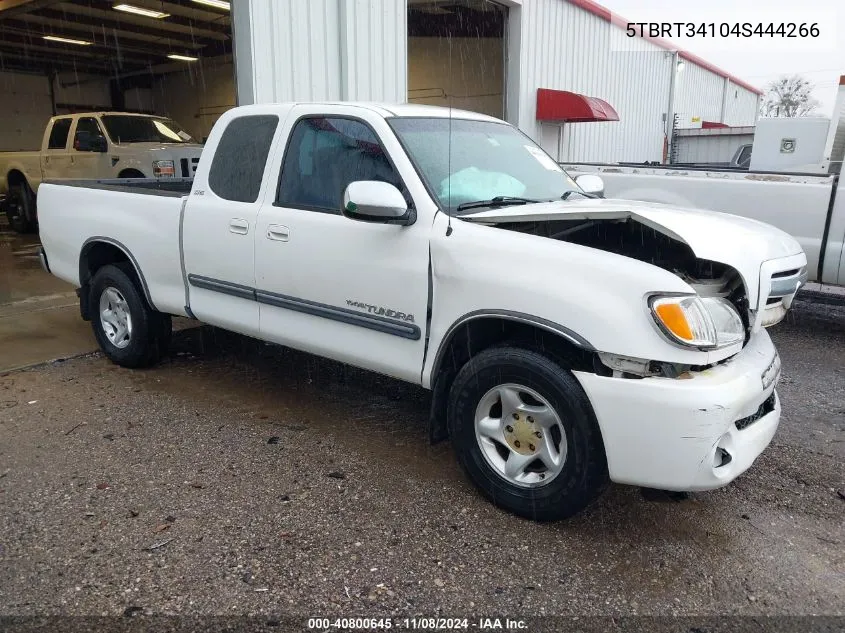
point(697, 433)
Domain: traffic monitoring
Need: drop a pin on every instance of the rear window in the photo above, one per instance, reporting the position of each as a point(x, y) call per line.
point(58, 134)
point(238, 165)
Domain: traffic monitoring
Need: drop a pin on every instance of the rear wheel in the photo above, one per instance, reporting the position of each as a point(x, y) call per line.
point(130, 173)
point(128, 331)
point(20, 208)
point(526, 435)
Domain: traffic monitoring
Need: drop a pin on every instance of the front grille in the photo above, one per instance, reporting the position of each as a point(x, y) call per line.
point(767, 407)
point(787, 282)
point(189, 167)
point(786, 273)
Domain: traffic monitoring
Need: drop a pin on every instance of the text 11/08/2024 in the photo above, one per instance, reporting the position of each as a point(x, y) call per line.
point(417, 624)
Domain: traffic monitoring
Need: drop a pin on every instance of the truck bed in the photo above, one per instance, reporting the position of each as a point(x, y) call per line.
point(140, 217)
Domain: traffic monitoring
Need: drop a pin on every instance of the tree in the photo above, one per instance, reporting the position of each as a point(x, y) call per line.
point(789, 97)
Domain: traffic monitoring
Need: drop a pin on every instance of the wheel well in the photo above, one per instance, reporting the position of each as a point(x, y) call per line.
point(94, 256)
point(16, 177)
point(130, 173)
point(476, 335)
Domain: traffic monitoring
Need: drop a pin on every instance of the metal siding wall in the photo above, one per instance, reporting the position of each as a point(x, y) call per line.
point(375, 49)
point(742, 107)
point(698, 92)
point(295, 50)
point(324, 50)
point(566, 48)
point(709, 149)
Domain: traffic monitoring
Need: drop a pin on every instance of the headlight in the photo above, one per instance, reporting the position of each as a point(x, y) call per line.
point(694, 321)
point(163, 169)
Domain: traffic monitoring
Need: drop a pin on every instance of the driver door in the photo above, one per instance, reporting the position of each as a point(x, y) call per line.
point(350, 290)
point(84, 162)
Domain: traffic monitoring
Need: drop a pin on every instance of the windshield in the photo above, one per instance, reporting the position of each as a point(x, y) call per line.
point(488, 160)
point(139, 129)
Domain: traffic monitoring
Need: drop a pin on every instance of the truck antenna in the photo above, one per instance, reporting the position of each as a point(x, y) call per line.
point(449, 159)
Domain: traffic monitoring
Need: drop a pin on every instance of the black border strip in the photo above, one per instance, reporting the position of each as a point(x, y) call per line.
point(224, 287)
point(344, 315)
point(826, 231)
point(371, 322)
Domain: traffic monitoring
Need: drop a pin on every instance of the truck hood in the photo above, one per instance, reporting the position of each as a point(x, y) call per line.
point(741, 243)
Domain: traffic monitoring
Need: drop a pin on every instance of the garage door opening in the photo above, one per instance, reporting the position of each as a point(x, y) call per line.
point(456, 54)
point(171, 58)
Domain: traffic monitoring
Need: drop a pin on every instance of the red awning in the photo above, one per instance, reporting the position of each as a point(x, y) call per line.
point(569, 107)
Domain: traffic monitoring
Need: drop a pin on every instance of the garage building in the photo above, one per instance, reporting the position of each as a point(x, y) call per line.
point(548, 66)
point(492, 57)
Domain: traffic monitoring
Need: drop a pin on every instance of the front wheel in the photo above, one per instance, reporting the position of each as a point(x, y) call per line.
point(526, 435)
point(128, 331)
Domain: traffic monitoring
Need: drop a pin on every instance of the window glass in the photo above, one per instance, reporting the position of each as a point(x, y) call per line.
point(238, 165)
point(58, 134)
point(466, 161)
point(124, 128)
point(86, 127)
point(324, 155)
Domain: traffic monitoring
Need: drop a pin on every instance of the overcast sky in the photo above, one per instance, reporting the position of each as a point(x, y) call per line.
point(758, 60)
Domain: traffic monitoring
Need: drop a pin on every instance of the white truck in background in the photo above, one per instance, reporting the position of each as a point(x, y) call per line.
point(810, 207)
point(567, 340)
point(793, 183)
point(94, 145)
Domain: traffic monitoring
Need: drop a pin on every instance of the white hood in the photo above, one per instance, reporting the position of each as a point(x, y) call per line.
point(741, 243)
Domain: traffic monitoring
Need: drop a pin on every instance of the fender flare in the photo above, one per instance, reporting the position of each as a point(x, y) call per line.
point(84, 278)
point(508, 315)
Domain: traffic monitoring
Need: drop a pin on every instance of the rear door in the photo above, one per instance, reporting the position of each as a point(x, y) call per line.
point(55, 159)
point(218, 231)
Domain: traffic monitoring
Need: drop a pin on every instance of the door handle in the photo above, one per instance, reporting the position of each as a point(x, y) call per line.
point(278, 232)
point(236, 225)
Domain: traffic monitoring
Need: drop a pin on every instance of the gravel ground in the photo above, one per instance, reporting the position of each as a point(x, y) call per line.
point(240, 478)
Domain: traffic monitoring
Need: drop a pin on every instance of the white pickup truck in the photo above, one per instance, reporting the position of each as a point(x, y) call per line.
point(810, 207)
point(568, 340)
point(94, 145)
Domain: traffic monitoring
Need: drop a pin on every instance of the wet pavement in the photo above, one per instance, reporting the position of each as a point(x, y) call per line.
point(39, 313)
point(239, 477)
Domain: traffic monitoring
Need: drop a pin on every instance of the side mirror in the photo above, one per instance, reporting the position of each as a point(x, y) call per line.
point(375, 201)
point(591, 183)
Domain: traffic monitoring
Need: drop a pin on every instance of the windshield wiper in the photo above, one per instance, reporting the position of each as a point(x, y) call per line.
point(498, 201)
point(566, 194)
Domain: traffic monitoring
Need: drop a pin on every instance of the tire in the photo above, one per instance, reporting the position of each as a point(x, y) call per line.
point(20, 208)
point(137, 341)
point(130, 173)
point(508, 382)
